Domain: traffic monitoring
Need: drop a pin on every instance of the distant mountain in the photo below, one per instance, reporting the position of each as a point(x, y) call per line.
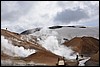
point(67, 32)
point(31, 31)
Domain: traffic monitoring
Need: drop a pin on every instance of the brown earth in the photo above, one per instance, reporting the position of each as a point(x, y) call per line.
point(84, 45)
point(43, 57)
point(94, 60)
point(49, 59)
point(5, 56)
point(15, 36)
point(95, 57)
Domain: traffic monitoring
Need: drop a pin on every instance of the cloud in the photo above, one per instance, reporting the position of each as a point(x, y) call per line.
point(11, 11)
point(69, 15)
point(66, 4)
point(26, 14)
point(89, 8)
point(21, 15)
point(92, 8)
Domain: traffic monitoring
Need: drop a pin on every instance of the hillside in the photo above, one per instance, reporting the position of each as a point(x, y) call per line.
point(41, 56)
point(37, 46)
point(84, 45)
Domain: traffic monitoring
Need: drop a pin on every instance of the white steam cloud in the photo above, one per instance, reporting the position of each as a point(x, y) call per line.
point(15, 51)
point(51, 43)
point(50, 40)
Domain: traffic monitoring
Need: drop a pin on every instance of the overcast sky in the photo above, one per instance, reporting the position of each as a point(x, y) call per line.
point(21, 15)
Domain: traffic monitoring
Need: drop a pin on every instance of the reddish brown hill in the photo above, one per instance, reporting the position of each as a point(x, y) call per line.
point(6, 34)
point(15, 37)
point(84, 45)
point(43, 57)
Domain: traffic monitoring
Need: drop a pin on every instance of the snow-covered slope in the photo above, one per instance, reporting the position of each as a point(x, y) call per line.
point(71, 32)
point(67, 32)
point(31, 31)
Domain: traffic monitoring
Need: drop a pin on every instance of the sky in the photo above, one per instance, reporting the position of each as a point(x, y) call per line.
point(18, 16)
